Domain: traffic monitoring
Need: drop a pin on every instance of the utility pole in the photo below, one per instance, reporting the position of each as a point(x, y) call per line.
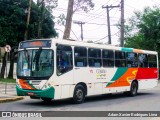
point(122, 24)
point(108, 21)
point(81, 24)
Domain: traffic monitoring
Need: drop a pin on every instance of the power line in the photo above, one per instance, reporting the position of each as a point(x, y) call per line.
point(99, 13)
point(79, 13)
point(156, 2)
point(81, 24)
point(97, 9)
point(131, 7)
point(94, 17)
point(106, 37)
point(101, 39)
point(74, 34)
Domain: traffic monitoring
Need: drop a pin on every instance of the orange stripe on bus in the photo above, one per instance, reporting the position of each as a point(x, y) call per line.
point(25, 85)
point(125, 79)
point(137, 50)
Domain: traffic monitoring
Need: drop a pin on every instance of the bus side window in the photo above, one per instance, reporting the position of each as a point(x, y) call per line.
point(80, 54)
point(132, 59)
point(143, 60)
point(64, 59)
point(108, 58)
point(152, 61)
point(120, 59)
point(94, 57)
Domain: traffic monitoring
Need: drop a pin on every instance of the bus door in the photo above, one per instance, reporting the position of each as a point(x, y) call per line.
point(64, 69)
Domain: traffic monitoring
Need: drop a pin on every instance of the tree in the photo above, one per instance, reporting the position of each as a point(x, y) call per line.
point(73, 6)
point(147, 35)
point(13, 24)
point(28, 19)
point(44, 6)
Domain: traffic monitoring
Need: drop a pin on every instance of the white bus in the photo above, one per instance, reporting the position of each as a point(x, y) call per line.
point(58, 69)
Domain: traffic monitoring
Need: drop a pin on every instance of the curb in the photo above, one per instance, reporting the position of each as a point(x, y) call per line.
point(11, 99)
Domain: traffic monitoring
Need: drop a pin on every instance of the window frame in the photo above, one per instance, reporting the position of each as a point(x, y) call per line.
point(130, 60)
point(104, 58)
point(70, 67)
point(152, 61)
point(120, 59)
point(94, 58)
point(139, 61)
point(81, 56)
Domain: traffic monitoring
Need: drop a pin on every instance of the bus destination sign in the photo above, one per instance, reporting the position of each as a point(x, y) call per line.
point(35, 44)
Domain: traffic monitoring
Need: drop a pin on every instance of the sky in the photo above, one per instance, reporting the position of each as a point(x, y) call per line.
point(95, 27)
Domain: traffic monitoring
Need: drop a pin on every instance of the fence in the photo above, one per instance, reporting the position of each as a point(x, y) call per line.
point(8, 66)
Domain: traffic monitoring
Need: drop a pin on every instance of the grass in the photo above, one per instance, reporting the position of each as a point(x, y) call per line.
point(8, 80)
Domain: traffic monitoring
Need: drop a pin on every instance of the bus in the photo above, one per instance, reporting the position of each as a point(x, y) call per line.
point(57, 69)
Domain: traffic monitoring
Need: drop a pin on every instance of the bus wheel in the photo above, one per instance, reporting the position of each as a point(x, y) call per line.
point(79, 94)
point(133, 89)
point(46, 99)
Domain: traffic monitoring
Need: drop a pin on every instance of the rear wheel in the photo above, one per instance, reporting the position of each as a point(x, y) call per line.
point(46, 99)
point(134, 89)
point(79, 94)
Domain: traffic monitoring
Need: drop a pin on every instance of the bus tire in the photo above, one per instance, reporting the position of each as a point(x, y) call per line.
point(46, 99)
point(133, 89)
point(79, 94)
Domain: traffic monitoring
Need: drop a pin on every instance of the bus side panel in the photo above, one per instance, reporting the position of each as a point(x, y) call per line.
point(147, 73)
point(65, 83)
point(57, 94)
point(146, 84)
point(147, 78)
point(96, 79)
point(114, 89)
point(90, 89)
point(98, 88)
point(65, 91)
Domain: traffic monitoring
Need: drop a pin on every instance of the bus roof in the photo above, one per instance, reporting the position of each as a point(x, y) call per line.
point(94, 45)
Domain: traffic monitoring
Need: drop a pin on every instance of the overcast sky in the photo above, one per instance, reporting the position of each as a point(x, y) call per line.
point(95, 27)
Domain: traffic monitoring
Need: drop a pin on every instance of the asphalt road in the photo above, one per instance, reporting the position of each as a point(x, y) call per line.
point(146, 100)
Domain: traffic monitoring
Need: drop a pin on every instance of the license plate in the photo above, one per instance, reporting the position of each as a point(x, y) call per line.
point(31, 94)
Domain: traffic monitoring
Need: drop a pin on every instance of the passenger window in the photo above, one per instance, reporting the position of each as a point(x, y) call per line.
point(108, 58)
point(132, 59)
point(80, 54)
point(120, 59)
point(143, 60)
point(64, 59)
point(152, 60)
point(94, 57)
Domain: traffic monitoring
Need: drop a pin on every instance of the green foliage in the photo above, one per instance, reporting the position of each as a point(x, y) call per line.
point(13, 16)
point(135, 41)
point(146, 25)
point(2, 80)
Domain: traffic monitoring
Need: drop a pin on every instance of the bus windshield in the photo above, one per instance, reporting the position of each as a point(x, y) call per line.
point(35, 63)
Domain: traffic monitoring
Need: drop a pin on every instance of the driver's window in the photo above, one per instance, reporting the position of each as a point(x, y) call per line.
point(64, 59)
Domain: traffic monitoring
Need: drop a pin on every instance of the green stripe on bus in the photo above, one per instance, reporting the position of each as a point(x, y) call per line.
point(127, 49)
point(46, 93)
point(119, 73)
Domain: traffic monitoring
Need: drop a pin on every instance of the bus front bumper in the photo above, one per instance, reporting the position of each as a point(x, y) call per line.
point(46, 93)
